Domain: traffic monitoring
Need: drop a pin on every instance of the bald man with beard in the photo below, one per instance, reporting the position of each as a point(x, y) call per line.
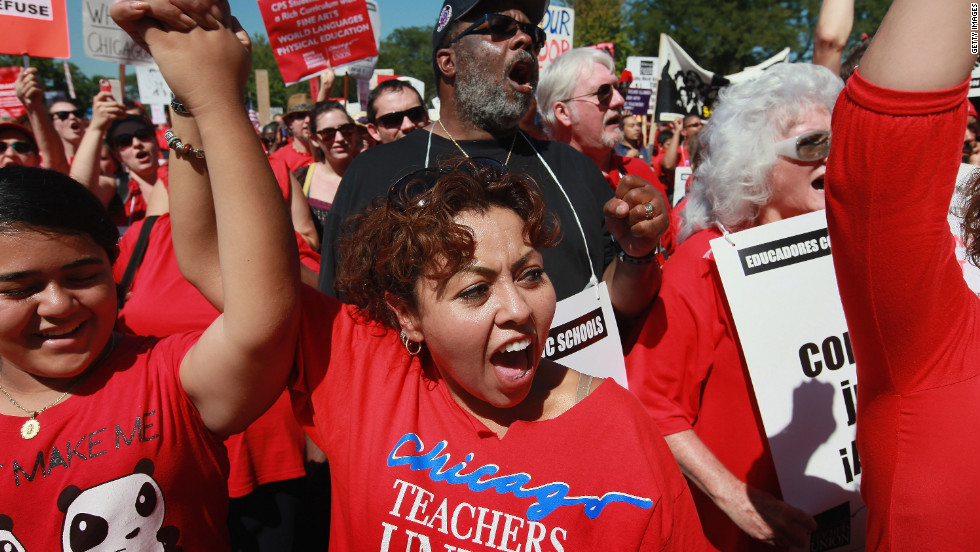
point(485, 58)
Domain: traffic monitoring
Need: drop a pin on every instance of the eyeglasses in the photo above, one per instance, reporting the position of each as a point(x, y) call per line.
point(809, 146)
point(409, 189)
point(416, 114)
point(604, 94)
point(22, 147)
point(500, 26)
point(63, 115)
point(121, 141)
point(330, 134)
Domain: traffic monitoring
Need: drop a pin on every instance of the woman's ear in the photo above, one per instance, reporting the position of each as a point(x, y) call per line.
point(407, 318)
point(446, 62)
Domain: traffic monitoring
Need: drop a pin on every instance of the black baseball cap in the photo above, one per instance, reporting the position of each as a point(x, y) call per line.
point(453, 10)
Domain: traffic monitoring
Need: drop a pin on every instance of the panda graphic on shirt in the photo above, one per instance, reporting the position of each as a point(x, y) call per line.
point(122, 514)
point(8, 542)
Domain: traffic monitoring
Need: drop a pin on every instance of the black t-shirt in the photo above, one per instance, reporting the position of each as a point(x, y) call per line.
point(371, 174)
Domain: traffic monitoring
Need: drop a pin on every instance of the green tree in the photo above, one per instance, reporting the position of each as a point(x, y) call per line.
point(600, 21)
point(408, 51)
point(52, 75)
point(726, 37)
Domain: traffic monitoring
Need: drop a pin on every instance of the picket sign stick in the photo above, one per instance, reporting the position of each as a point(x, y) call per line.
point(122, 79)
point(71, 84)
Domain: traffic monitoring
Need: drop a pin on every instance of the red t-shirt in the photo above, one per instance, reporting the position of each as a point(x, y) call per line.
point(409, 465)
point(686, 367)
point(134, 206)
point(126, 461)
point(913, 323)
point(162, 303)
point(291, 157)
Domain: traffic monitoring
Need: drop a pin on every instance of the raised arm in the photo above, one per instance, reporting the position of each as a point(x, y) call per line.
point(834, 26)
point(921, 46)
point(240, 364)
point(30, 92)
point(85, 167)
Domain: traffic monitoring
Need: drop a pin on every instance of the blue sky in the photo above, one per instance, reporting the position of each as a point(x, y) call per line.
point(394, 14)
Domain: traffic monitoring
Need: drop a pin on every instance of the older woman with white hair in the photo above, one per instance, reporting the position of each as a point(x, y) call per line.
point(762, 160)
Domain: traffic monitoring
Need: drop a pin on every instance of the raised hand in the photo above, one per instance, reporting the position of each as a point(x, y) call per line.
point(637, 217)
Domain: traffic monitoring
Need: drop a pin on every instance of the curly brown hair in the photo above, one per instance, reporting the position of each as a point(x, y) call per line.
point(971, 218)
point(394, 243)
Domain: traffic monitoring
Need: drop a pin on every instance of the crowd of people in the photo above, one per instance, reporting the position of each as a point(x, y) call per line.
point(331, 332)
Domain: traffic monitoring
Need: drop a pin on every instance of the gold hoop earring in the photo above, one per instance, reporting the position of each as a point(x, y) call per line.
point(408, 343)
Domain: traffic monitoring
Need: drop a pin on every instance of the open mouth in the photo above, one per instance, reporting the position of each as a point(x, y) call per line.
point(513, 361)
point(60, 333)
point(521, 74)
point(817, 184)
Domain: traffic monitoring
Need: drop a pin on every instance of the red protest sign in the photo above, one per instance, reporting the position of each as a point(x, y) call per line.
point(35, 27)
point(10, 106)
point(309, 35)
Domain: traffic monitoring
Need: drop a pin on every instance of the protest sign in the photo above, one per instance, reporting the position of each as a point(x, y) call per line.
point(584, 335)
point(559, 24)
point(782, 291)
point(685, 88)
point(682, 175)
point(104, 40)
point(35, 27)
point(646, 73)
point(10, 106)
point(307, 36)
point(637, 101)
point(153, 88)
point(363, 69)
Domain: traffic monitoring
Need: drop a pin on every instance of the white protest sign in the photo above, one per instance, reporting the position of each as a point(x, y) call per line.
point(153, 88)
point(584, 335)
point(104, 40)
point(782, 291)
point(682, 176)
point(646, 74)
point(559, 24)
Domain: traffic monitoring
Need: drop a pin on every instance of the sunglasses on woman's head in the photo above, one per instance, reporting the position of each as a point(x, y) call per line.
point(809, 146)
point(121, 141)
point(500, 26)
point(407, 190)
point(330, 134)
point(416, 114)
point(22, 147)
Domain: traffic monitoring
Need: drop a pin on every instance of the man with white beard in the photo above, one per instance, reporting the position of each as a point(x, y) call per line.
point(580, 104)
point(485, 60)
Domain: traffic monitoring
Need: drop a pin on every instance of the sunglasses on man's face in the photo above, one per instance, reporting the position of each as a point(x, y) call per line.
point(22, 147)
point(502, 27)
point(807, 147)
point(330, 134)
point(63, 115)
point(604, 94)
point(416, 114)
point(121, 141)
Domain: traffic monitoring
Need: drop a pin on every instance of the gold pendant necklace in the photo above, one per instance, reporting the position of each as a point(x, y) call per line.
point(466, 155)
point(32, 427)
